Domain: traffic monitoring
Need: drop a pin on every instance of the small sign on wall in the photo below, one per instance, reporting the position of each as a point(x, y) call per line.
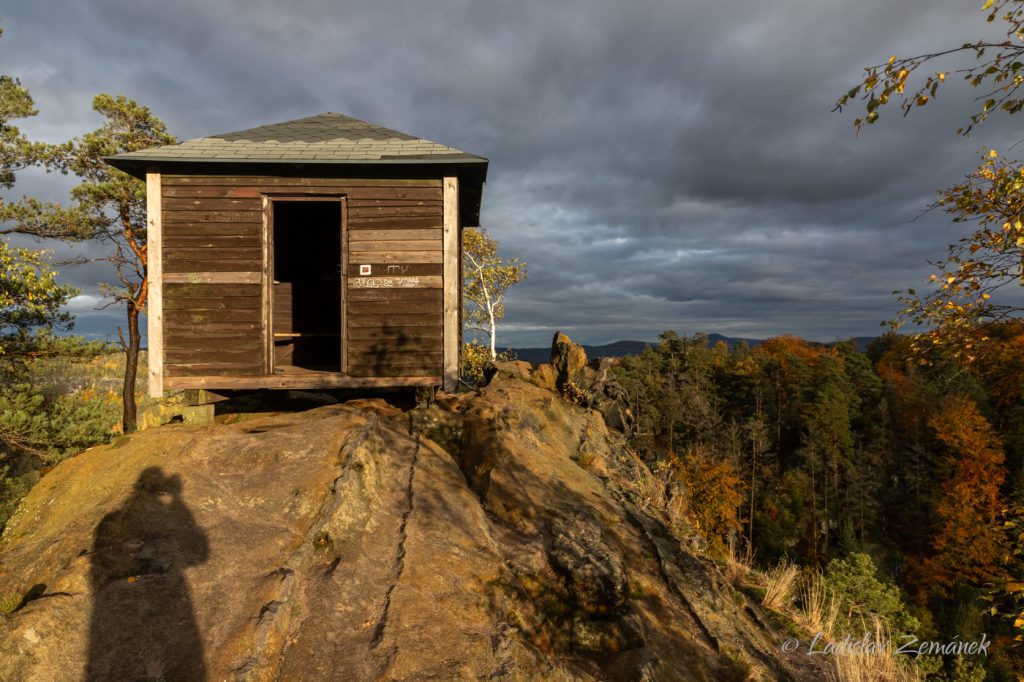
point(365, 270)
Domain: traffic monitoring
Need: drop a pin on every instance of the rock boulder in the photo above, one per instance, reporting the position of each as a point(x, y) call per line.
point(472, 539)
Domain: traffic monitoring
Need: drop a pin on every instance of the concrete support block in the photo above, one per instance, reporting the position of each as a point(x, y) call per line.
point(197, 415)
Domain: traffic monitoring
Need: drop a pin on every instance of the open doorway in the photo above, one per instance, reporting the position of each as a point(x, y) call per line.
point(307, 319)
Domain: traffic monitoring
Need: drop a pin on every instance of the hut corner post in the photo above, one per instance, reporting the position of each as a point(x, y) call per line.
point(154, 273)
point(452, 267)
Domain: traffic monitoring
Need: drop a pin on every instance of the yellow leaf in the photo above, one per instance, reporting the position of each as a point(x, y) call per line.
point(993, 153)
point(988, 3)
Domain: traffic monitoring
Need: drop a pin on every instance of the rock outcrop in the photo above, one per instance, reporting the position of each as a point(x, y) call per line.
point(569, 374)
point(480, 537)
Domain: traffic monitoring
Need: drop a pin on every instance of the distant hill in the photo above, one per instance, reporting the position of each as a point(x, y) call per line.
point(608, 350)
point(619, 349)
point(862, 342)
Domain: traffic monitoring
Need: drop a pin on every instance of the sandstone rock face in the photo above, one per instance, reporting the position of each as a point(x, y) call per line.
point(468, 540)
point(569, 362)
point(588, 384)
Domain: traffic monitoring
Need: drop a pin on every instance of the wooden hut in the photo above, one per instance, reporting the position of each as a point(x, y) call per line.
point(317, 253)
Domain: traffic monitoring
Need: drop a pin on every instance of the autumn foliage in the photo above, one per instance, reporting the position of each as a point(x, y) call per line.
point(713, 492)
point(968, 544)
point(972, 291)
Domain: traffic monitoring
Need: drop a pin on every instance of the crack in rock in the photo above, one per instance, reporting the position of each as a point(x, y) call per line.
point(382, 622)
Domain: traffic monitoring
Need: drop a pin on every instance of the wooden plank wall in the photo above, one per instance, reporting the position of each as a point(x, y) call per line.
point(212, 264)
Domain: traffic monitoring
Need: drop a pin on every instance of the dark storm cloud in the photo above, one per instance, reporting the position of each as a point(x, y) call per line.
point(658, 164)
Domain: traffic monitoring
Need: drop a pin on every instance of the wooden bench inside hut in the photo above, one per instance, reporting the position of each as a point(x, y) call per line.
point(323, 252)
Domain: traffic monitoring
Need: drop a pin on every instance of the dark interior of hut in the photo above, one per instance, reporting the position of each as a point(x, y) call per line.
point(307, 286)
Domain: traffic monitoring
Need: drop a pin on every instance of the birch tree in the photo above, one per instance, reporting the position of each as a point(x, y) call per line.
point(486, 276)
point(974, 290)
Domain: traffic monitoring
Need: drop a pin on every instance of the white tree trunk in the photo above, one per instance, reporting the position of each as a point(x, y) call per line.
point(494, 330)
point(489, 304)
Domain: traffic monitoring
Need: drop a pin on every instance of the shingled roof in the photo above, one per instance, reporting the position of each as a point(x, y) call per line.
point(326, 138)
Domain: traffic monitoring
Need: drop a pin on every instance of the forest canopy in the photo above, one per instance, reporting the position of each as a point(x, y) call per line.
point(817, 453)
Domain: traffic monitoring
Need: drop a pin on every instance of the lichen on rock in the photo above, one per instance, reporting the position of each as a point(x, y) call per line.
point(489, 535)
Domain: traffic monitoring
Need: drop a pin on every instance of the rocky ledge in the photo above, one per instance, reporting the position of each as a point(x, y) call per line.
point(488, 535)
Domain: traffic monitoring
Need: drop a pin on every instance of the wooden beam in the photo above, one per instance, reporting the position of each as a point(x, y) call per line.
point(213, 278)
point(396, 257)
point(310, 380)
point(395, 245)
point(154, 273)
point(344, 284)
point(390, 235)
point(267, 288)
point(452, 340)
point(290, 183)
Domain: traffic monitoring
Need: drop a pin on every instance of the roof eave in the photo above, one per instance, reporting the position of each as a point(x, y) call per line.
point(134, 163)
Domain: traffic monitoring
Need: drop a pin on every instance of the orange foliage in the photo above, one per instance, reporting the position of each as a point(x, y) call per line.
point(713, 493)
point(908, 395)
point(968, 545)
point(892, 367)
point(780, 346)
point(1001, 367)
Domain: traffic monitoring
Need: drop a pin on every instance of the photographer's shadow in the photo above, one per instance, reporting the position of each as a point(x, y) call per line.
point(143, 626)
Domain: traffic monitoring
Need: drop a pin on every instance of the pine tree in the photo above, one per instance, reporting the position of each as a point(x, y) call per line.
point(109, 206)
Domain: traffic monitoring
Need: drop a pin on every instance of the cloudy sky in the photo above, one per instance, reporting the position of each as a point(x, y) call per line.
point(659, 164)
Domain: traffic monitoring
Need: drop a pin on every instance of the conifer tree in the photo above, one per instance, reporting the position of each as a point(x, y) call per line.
point(108, 206)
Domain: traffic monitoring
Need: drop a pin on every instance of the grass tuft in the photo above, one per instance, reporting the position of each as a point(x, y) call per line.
point(779, 583)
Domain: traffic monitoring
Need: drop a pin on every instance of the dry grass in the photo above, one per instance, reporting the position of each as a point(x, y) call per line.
point(818, 606)
point(677, 510)
point(648, 487)
point(878, 665)
point(779, 583)
point(597, 464)
point(737, 568)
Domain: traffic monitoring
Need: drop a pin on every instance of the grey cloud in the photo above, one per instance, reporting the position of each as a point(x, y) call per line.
point(659, 164)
